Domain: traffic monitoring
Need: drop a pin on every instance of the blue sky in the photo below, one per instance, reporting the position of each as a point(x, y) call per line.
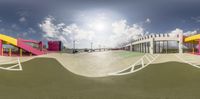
point(104, 22)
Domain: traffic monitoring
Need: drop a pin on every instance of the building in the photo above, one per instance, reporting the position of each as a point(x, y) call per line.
point(157, 43)
point(54, 45)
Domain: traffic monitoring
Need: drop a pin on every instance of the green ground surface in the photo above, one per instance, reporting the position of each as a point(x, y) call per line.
point(44, 78)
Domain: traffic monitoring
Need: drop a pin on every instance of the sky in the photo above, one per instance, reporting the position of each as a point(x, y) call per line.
point(105, 23)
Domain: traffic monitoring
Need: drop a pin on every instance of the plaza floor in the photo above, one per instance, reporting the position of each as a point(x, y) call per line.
point(168, 77)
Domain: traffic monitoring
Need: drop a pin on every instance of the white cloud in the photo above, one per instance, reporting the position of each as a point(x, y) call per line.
point(148, 20)
point(190, 33)
point(49, 28)
point(119, 32)
point(31, 31)
point(177, 31)
point(122, 32)
point(63, 32)
point(22, 19)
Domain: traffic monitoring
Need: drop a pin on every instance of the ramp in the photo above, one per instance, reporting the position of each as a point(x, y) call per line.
point(19, 43)
point(29, 48)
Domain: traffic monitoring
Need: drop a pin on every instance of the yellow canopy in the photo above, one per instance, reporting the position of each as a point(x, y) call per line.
point(192, 38)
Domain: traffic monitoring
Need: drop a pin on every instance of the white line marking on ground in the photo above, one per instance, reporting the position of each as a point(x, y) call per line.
point(13, 67)
point(133, 66)
point(187, 61)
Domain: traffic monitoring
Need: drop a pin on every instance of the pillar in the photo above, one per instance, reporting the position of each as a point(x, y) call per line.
point(180, 43)
point(1, 48)
point(167, 48)
point(2, 51)
point(10, 52)
point(20, 51)
point(131, 47)
point(151, 49)
point(159, 47)
point(145, 47)
point(199, 47)
point(41, 45)
point(192, 47)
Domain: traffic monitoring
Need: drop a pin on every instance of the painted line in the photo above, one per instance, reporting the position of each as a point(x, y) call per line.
point(151, 56)
point(186, 61)
point(148, 58)
point(12, 68)
point(11, 62)
point(118, 73)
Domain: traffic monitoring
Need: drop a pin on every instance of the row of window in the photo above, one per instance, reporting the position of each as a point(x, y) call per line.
point(156, 35)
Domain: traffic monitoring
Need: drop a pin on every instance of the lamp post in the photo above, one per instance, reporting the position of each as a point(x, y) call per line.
point(91, 46)
point(99, 47)
point(74, 42)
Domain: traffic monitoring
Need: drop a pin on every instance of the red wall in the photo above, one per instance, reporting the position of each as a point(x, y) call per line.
point(54, 45)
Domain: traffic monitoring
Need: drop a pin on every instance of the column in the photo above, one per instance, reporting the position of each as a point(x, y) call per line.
point(145, 47)
point(1, 48)
point(41, 45)
point(151, 49)
point(199, 46)
point(131, 47)
point(180, 43)
point(148, 47)
point(139, 47)
point(163, 46)
point(159, 47)
point(20, 50)
point(10, 52)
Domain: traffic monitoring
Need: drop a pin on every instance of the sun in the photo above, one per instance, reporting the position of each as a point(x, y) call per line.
point(98, 25)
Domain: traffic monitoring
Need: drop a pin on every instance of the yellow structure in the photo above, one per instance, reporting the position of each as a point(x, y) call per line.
point(9, 39)
point(192, 38)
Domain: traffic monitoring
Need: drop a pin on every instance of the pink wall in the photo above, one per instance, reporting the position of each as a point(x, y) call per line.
point(54, 45)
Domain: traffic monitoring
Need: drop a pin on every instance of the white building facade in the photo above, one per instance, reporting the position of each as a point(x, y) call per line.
point(157, 43)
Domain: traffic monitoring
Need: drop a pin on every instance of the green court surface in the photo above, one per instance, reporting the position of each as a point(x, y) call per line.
point(45, 78)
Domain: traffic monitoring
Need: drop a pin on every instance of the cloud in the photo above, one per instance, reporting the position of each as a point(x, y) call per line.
point(177, 31)
point(122, 32)
point(22, 19)
point(63, 32)
point(148, 20)
point(197, 19)
point(119, 33)
point(31, 31)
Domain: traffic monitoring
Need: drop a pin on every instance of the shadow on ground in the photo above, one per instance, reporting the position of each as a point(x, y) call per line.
point(45, 78)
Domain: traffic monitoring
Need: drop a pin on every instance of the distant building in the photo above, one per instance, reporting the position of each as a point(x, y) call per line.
point(54, 45)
